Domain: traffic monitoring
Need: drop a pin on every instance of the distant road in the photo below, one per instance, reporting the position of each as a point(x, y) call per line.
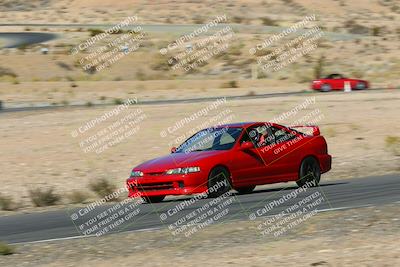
point(342, 194)
point(46, 106)
point(16, 39)
point(26, 38)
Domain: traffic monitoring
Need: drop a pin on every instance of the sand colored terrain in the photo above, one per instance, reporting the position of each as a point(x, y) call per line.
point(38, 149)
point(371, 55)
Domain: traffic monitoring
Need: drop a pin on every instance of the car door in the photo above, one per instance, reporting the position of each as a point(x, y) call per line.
point(281, 154)
point(248, 166)
point(338, 82)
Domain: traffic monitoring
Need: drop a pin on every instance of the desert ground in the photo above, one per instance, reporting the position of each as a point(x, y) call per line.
point(39, 150)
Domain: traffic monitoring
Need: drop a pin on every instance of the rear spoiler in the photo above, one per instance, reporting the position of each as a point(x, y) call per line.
point(315, 129)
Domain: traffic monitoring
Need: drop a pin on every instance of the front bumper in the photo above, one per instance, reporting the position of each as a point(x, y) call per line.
point(163, 185)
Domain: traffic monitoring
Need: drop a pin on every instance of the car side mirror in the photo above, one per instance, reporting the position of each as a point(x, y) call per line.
point(246, 145)
point(173, 149)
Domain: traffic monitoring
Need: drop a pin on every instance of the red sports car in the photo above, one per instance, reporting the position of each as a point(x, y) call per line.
point(338, 82)
point(234, 156)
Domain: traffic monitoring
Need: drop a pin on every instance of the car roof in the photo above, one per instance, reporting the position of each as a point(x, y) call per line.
point(244, 124)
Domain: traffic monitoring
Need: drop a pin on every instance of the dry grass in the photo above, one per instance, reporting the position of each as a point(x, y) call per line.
point(102, 187)
point(7, 203)
point(77, 197)
point(44, 197)
point(6, 249)
point(393, 144)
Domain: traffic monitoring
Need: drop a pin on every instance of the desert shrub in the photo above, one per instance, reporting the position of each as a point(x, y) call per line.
point(235, 50)
point(94, 32)
point(251, 93)
point(7, 72)
point(230, 84)
point(102, 187)
point(118, 101)
point(6, 249)
point(198, 20)
point(140, 75)
point(376, 31)
point(357, 74)
point(77, 197)
point(318, 68)
point(392, 144)
point(268, 22)
point(160, 63)
point(237, 19)
point(45, 197)
point(65, 102)
point(89, 104)
point(355, 28)
point(63, 65)
point(6, 203)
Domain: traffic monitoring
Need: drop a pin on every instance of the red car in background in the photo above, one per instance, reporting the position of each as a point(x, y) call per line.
point(234, 156)
point(337, 82)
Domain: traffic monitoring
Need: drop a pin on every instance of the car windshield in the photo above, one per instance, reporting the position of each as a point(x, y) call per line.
point(211, 139)
point(335, 76)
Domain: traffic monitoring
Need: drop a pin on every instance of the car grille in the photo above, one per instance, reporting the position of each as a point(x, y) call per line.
point(154, 173)
point(155, 186)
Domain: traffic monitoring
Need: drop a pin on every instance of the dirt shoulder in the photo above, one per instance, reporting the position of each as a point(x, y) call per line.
point(356, 237)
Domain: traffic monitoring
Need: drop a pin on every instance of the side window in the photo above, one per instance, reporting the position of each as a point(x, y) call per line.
point(260, 136)
point(281, 135)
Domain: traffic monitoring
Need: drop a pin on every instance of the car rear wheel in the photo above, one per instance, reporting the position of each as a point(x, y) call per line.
point(326, 88)
point(309, 172)
point(245, 190)
point(155, 199)
point(218, 182)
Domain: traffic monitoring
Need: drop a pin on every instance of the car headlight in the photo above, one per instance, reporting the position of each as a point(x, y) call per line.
point(136, 174)
point(183, 170)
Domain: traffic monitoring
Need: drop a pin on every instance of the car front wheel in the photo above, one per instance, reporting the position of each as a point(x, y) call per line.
point(155, 199)
point(309, 172)
point(326, 88)
point(218, 182)
point(245, 190)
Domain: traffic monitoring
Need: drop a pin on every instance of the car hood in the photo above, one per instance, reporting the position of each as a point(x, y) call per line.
point(177, 160)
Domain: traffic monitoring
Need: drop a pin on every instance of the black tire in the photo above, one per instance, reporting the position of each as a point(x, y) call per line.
point(245, 190)
point(155, 199)
point(360, 86)
point(218, 182)
point(309, 172)
point(326, 88)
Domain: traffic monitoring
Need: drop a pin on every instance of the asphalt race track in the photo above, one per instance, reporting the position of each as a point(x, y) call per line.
point(341, 194)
